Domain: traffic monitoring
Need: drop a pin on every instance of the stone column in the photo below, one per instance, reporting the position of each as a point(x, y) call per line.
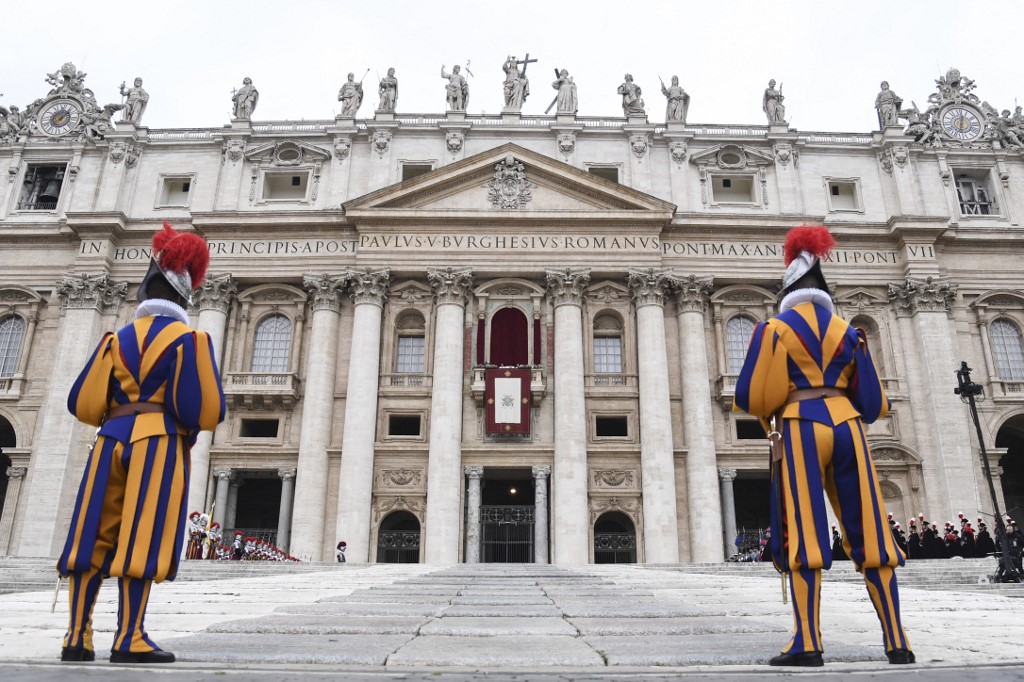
point(355, 483)
point(702, 504)
point(59, 455)
point(727, 476)
point(570, 545)
point(473, 473)
point(444, 477)
point(317, 413)
point(15, 477)
point(541, 474)
point(284, 519)
point(944, 430)
point(224, 476)
point(661, 531)
point(213, 300)
point(231, 511)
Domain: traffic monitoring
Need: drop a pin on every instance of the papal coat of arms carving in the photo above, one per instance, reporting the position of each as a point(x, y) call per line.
point(509, 188)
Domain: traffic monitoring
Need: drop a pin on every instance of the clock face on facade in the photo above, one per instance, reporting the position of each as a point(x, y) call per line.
point(60, 117)
point(960, 123)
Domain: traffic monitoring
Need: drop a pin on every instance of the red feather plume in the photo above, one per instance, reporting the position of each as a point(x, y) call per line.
point(812, 238)
point(180, 251)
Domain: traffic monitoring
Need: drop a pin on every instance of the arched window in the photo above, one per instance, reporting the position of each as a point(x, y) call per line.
point(12, 331)
point(1008, 350)
point(737, 339)
point(874, 341)
point(607, 344)
point(411, 343)
point(273, 339)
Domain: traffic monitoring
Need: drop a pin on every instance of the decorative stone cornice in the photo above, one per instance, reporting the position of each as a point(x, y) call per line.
point(325, 291)
point(217, 293)
point(450, 285)
point(369, 286)
point(927, 294)
point(567, 287)
point(541, 470)
point(648, 287)
point(286, 474)
point(727, 474)
point(474, 471)
point(16, 472)
point(91, 291)
point(692, 293)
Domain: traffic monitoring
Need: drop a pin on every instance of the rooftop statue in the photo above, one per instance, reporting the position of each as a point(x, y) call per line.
point(517, 85)
point(678, 101)
point(135, 104)
point(772, 104)
point(457, 90)
point(567, 102)
point(632, 104)
point(351, 95)
point(388, 90)
point(245, 100)
point(888, 104)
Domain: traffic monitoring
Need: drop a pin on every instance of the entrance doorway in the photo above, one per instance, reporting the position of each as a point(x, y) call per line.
point(398, 539)
point(8, 439)
point(257, 505)
point(614, 539)
point(507, 516)
point(1011, 437)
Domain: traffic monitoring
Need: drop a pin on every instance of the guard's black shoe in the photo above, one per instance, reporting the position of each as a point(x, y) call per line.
point(69, 653)
point(900, 657)
point(141, 657)
point(808, 659)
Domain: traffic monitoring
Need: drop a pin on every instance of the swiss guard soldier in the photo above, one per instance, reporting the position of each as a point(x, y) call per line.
point(237, 547)
point(809, 377)
point(150, 387)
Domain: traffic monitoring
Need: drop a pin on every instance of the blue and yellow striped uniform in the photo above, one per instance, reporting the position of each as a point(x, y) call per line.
point(129, 516)
point(825, 451)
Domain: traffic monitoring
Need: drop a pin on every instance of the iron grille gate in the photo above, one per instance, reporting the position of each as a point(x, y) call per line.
point(398, 547)
point(614, 548)
point(507, 535)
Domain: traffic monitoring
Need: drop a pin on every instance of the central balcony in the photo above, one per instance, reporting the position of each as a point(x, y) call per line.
point(478, 386)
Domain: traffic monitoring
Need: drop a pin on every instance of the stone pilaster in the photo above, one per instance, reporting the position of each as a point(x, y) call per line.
point(541, 474)
point(922, 307)
point(566, 289)
point(59, 451)
point(325, 292)
point(231, 513)
point(661, 536)
point(473, 473)
point(224, 476)
point(284, 518)
point(703, 505)
point(369, 289)
point(727, 476)
point(213, 300)
point(444, 477)
point(15, 477)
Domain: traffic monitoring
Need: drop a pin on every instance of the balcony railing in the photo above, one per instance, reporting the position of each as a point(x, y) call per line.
point(609, 380)
point(260, 390)
point(536, 384)
point(1008, 389)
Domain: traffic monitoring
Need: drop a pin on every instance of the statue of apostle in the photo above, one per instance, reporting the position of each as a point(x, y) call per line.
point(888, 103)
point(135, 104)
point(517, 85)
point(772, 104)
point(351, 96)
point(632, 104)
point(457, 90)
point(388, 89)
point(245, 99)
point(678, 101)
point(566, 101)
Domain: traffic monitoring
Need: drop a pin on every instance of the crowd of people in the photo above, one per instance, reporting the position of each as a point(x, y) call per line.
point(923, 540)
point(205, 542)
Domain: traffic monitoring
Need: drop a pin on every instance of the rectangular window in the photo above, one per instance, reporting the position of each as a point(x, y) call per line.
point(732, 189)
point(414, 170)
point(288, 186)
point(611, 427)
point(259, 428)
point(410, 355)
point(843, 195)
point(606, 172)
point(404, 425)
point(607, 355)
point(175, 191)
point(975, 192)
point(41, 188)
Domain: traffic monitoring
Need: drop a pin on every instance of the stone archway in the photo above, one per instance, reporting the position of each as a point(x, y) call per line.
point(398, 539)
point(614, 539)
point(1011, 437)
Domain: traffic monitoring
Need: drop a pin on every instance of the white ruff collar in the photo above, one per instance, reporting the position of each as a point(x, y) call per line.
point(798, 296)
point(159, 306)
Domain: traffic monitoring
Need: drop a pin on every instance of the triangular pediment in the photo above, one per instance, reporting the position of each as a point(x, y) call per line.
point(861, 297)
point(732, 157)
point(506, 182)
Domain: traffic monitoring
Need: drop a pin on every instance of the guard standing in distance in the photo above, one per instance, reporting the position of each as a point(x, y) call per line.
point(150, 387)
point(808, 375)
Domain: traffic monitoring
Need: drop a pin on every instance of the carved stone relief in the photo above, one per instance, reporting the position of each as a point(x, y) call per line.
point(509, 188)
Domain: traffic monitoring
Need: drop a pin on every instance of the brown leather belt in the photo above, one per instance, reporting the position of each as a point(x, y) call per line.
point(814, 393)
point(133, 408)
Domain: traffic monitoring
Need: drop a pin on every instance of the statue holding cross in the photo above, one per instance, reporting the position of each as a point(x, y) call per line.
point(517, 85)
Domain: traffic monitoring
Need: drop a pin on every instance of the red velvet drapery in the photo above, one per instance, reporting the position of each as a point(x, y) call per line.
point(510, 343)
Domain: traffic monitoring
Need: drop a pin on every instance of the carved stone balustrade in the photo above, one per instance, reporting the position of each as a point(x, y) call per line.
point(536, 385)
point(262, 390)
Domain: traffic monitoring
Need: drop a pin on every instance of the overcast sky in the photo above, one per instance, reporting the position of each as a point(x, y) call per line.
point(829, 56)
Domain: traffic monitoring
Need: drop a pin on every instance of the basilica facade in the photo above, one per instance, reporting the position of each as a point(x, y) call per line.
point(456, 338)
